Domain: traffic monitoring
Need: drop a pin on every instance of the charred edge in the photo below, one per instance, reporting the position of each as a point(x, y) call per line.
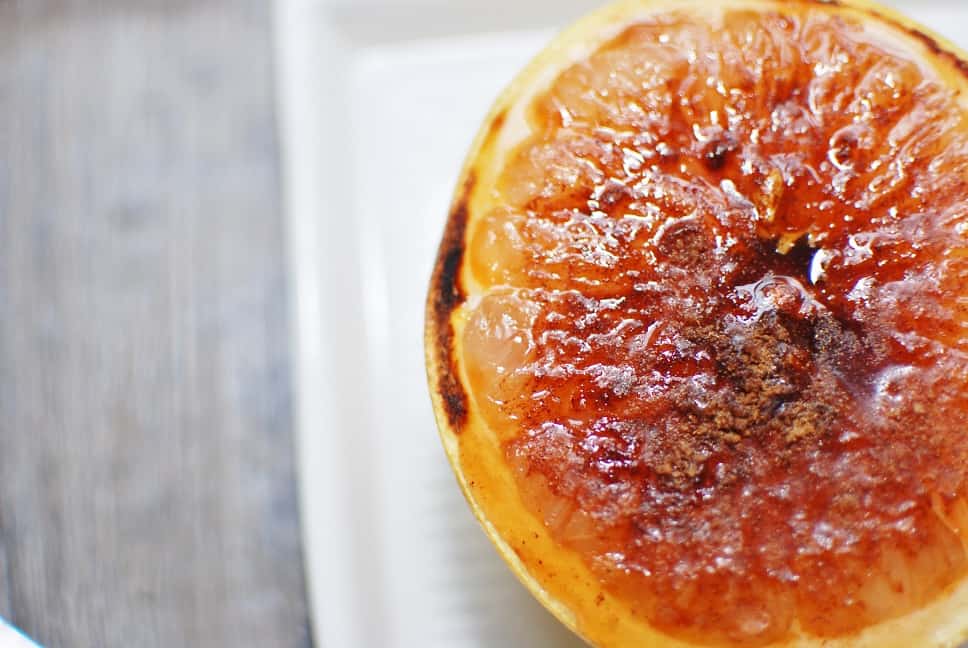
point(448, 294)
point(933, 45)
point(936, 49)
point(494, 129)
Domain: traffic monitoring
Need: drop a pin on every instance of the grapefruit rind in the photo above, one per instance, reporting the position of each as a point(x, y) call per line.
point(557, 577)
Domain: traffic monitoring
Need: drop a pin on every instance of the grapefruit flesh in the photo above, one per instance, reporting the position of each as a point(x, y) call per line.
point(718, 323)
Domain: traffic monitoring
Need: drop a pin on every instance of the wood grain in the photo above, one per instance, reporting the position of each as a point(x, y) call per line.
point(147, 495)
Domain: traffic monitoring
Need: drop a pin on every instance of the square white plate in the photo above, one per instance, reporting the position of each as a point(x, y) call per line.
point(379, 101)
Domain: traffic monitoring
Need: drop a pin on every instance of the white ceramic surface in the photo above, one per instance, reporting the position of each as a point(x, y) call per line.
point(11, 637)
point(379, 101)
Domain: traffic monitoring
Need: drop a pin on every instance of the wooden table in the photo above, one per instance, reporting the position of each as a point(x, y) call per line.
point(147, 495)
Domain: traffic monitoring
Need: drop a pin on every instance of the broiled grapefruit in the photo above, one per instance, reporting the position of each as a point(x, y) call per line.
point(696, 336)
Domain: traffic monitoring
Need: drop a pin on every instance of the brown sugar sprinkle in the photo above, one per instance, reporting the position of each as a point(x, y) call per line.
point(724, 333)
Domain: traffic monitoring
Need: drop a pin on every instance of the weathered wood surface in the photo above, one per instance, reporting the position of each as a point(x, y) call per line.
point(147, 495)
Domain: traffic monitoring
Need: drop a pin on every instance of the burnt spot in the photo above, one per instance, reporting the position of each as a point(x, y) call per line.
point(446, 294)
point(495, 129)
point(935, 48)
point(717, 152)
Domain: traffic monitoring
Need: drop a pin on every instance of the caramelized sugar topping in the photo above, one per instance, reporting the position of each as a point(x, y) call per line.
point(723, 331)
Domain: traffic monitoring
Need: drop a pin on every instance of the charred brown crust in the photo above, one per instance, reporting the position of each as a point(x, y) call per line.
point(494, 129)
point(446, 294)
point(936, 49)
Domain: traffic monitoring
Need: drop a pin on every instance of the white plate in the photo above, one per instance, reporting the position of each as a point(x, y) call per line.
point(11, 637)
point(379, 102)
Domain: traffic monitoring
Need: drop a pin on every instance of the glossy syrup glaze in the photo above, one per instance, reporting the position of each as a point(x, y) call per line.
point(723, 332)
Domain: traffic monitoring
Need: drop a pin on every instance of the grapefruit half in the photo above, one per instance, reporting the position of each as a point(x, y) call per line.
point(696, 335)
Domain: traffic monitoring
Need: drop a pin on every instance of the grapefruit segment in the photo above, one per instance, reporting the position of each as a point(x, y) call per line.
point(711, 327)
